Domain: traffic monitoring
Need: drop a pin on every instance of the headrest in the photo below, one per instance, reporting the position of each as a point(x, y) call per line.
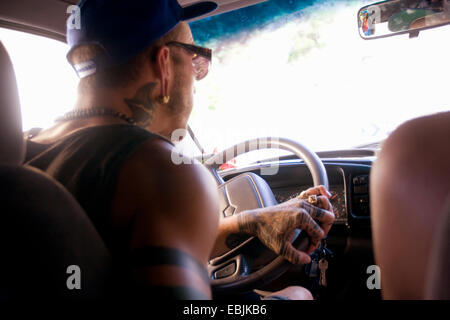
point(12, 147)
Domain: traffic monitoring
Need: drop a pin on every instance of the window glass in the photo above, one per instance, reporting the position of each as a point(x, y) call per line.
point(47, 83)
point(299, 69)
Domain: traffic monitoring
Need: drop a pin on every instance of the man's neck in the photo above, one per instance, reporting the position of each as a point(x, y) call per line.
point(102, 99)
point(134, 103)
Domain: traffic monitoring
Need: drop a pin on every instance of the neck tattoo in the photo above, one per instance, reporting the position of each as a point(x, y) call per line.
point(141, 105)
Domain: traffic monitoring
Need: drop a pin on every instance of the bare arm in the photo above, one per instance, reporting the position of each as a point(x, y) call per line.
point(409, 185)
point(275, 226)
point(171, 210)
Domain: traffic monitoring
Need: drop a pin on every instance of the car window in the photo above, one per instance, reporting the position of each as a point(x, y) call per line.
point(47, 84)
point(299, 69)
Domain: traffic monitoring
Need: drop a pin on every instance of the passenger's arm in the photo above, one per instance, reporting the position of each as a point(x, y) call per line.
point(409, 184)
point(172, 214)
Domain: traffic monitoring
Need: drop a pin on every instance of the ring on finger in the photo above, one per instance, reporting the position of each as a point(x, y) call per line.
point(312, 199)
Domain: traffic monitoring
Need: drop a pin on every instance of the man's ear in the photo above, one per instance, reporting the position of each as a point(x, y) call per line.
point(162, 68)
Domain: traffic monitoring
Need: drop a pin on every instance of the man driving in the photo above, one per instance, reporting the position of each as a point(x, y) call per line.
point(137, 64)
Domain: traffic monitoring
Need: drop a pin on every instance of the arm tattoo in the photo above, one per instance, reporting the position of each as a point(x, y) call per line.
point(156, 256)
point(315, 212)
point(247, 222)
point(141, 105)
point(275, 227)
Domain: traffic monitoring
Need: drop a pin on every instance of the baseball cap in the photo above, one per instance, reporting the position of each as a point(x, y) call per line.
point(123, 28)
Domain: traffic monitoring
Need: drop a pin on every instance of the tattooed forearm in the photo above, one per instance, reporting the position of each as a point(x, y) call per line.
point(247, 222)
point(275, 227)
point(141, 105)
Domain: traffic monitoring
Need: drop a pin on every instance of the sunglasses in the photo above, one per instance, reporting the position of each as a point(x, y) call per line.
point(201, 57)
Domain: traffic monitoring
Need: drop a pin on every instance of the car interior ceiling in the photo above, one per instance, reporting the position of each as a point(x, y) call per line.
point(44, 18)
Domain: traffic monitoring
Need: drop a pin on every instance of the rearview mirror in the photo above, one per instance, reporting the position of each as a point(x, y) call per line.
point(393, 17)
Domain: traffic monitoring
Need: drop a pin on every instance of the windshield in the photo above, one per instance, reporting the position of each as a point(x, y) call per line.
point(296, 69)
point(299, 69)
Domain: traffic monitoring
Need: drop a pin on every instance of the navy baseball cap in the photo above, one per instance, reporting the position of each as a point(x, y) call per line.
point(123, 28)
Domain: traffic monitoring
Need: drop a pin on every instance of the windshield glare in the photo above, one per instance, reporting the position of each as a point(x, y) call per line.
point(308, 75)
point(296, 69)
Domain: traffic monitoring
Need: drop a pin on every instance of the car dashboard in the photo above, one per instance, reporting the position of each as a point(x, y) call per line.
point(348, 184)
point(350, 238)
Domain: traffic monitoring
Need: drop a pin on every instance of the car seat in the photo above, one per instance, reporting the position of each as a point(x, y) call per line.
point(48, 246)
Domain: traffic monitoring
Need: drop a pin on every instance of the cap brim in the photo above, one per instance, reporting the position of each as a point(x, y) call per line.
point(198, 9)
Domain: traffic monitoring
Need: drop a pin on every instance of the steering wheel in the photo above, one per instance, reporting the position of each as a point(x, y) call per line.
point(251, 264)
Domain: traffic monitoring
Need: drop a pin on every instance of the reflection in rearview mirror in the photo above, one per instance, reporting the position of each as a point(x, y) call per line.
point(392, 17)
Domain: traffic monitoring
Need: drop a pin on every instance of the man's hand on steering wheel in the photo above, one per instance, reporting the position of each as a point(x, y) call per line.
point(275, 225)
point(318, 197)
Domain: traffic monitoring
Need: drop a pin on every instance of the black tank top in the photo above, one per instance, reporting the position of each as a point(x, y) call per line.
point(87, 163)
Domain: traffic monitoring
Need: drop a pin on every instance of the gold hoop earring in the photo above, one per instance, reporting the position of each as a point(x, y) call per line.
point(164, 99)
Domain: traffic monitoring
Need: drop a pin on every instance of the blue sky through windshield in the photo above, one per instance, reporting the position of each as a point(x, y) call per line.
point(231, 24)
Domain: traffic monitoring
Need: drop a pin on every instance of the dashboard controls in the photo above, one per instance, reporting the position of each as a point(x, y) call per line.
point(349, 188)
point(361, 180)
point(361, 204)
point(363, 189)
